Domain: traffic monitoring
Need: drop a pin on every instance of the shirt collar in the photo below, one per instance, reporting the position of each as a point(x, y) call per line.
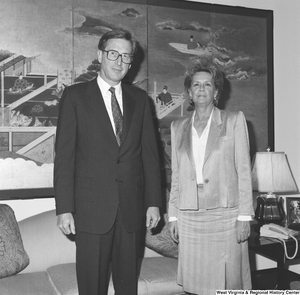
point(104, 87)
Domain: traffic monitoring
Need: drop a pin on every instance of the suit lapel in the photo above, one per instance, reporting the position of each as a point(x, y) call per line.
point(187, 138)
point(128, 111)
point(98, 107)
point(214, 132)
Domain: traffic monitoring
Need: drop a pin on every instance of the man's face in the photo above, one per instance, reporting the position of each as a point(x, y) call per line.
point(114, 71)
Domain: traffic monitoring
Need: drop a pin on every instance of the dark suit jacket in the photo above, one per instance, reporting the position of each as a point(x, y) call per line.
point(92, 174)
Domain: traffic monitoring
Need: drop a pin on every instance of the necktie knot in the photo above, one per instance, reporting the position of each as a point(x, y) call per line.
point(112, 90)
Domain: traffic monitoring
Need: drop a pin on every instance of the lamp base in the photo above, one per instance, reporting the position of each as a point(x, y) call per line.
point(269, 209)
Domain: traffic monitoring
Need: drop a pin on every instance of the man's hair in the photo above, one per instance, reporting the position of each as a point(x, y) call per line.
point(117, 34)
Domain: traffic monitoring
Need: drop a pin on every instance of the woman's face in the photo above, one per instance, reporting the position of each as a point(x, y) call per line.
point(202, 90)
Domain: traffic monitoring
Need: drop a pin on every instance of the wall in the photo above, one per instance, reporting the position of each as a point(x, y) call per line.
point(26, 208)
point(286, 86)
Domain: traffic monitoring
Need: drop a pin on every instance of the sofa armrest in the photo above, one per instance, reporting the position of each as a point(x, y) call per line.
point(44, 243)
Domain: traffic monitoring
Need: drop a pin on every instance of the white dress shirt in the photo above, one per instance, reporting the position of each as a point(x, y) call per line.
point(199, 147)
point(106, 94)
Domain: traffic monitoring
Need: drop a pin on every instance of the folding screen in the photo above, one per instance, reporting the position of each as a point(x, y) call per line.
point(48, 45)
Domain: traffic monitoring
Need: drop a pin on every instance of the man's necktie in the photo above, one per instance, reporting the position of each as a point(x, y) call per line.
point(117, 115)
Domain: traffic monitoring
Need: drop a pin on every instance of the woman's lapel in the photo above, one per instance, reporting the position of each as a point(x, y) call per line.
point(187, 138)
point(214, 132)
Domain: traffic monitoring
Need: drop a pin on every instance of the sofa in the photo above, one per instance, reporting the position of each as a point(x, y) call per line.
point(51, 268)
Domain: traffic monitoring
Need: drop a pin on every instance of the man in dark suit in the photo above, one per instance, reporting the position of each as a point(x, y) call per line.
point(107, 172)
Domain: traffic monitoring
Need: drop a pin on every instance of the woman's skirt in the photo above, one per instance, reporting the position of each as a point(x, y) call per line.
point(209, 256)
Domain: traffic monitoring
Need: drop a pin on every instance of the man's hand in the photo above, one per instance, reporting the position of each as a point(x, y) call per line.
point(152, 217)
point(66, 223)
point(173, 228)
point(242, 231)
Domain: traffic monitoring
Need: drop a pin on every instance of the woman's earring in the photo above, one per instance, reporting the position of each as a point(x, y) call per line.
point(216, 101)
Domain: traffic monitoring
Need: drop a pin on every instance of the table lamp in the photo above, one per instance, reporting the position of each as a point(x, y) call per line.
point(271, 174)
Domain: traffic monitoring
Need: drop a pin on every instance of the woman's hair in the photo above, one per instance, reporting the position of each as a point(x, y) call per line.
point(208, 67)
point(117, 34)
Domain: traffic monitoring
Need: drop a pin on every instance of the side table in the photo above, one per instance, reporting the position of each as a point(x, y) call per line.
point(273, 249)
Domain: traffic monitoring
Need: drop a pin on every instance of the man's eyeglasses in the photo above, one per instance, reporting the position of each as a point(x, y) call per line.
point(114, 55)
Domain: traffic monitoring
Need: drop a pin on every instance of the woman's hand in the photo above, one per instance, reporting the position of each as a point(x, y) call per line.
point(173, 228)
point(242, 231)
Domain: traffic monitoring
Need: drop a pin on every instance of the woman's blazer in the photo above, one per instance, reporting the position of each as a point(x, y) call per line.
point(226, 169)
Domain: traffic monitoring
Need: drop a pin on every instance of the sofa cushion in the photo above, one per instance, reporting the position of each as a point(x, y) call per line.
point(160, 241)
point(63, 278)
point(13, 257)
point(160, 276)
point(35, 283)
point(45, 243)
point(157, 276)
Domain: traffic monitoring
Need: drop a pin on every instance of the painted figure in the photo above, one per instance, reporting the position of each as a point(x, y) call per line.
point(21, 85)
point(165, 97)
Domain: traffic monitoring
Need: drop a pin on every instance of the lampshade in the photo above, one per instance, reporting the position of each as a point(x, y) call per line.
point(271, 173)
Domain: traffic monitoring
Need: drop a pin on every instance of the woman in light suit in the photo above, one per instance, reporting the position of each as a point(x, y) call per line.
point(211, 193)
